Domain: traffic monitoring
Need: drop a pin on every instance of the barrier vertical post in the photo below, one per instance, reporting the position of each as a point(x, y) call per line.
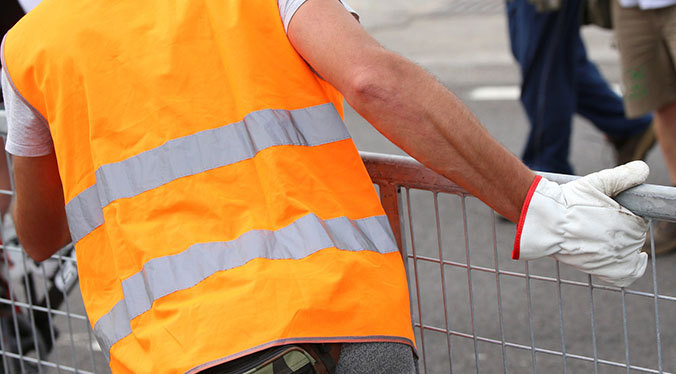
point(390, 198)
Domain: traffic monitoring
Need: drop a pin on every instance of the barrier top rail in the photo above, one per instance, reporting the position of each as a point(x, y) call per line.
point(647, 200)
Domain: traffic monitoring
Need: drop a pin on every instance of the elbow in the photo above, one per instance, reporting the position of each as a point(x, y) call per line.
point(41, 241)
point(40, 234)
point(36, 255)
point(368, 89)
point(375, 84)
point(41, 251)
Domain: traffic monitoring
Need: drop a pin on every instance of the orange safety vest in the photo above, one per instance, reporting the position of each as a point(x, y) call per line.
point(217, 202)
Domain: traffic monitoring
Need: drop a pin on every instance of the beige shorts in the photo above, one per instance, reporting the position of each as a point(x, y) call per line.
point(647, 43)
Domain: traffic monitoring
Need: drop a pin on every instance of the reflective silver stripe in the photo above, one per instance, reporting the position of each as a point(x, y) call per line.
point(84, 213)
point(200, 152)
point(164, 275)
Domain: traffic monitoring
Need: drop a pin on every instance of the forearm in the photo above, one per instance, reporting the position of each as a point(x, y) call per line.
point(428, 122)
point(408, 106)
point(417, 113)
point(38, 208)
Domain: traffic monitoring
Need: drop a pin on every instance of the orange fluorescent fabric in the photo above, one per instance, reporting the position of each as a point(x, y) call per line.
point(119, 81)
point(293, 309)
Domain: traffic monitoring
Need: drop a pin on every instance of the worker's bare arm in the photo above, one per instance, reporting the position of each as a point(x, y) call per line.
point(409, 106)
point(38, 209)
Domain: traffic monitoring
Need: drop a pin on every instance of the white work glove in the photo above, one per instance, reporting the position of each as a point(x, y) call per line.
point(580, 225)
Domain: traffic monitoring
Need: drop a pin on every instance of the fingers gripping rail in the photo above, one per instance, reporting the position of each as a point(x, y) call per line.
point(647, 200)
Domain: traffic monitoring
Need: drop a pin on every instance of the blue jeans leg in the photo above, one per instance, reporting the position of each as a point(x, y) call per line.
point(544, 45)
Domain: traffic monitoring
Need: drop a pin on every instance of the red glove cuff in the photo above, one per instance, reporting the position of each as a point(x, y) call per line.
point(522, 219)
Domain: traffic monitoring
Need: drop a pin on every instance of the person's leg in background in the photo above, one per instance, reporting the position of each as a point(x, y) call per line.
point(543, 44)
point(647, 43)
point(666, 114)
point(665, 126)
point(558, 81)
point(597, 102)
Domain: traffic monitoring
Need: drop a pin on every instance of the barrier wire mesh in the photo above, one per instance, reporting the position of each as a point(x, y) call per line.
point(476, 310)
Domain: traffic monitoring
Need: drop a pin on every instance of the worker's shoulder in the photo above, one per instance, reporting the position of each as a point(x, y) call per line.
point(48, 22)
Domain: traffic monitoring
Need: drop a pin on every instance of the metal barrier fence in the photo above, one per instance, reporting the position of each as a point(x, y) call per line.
point(474, 309)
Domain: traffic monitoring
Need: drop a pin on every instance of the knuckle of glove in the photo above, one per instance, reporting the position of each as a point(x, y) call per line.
point(582, 192)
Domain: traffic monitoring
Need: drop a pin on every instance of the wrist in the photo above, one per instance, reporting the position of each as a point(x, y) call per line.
point(516, 252)
point(542, 225)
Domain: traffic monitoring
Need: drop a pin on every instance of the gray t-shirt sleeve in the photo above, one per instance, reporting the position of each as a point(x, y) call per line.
point(27, 131)
point(287, 8)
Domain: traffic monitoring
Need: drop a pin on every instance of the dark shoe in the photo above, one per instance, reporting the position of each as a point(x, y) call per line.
point(665, 238)
point(635, 147)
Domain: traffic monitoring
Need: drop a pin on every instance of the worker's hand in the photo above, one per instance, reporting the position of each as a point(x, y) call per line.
point(580, 225)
